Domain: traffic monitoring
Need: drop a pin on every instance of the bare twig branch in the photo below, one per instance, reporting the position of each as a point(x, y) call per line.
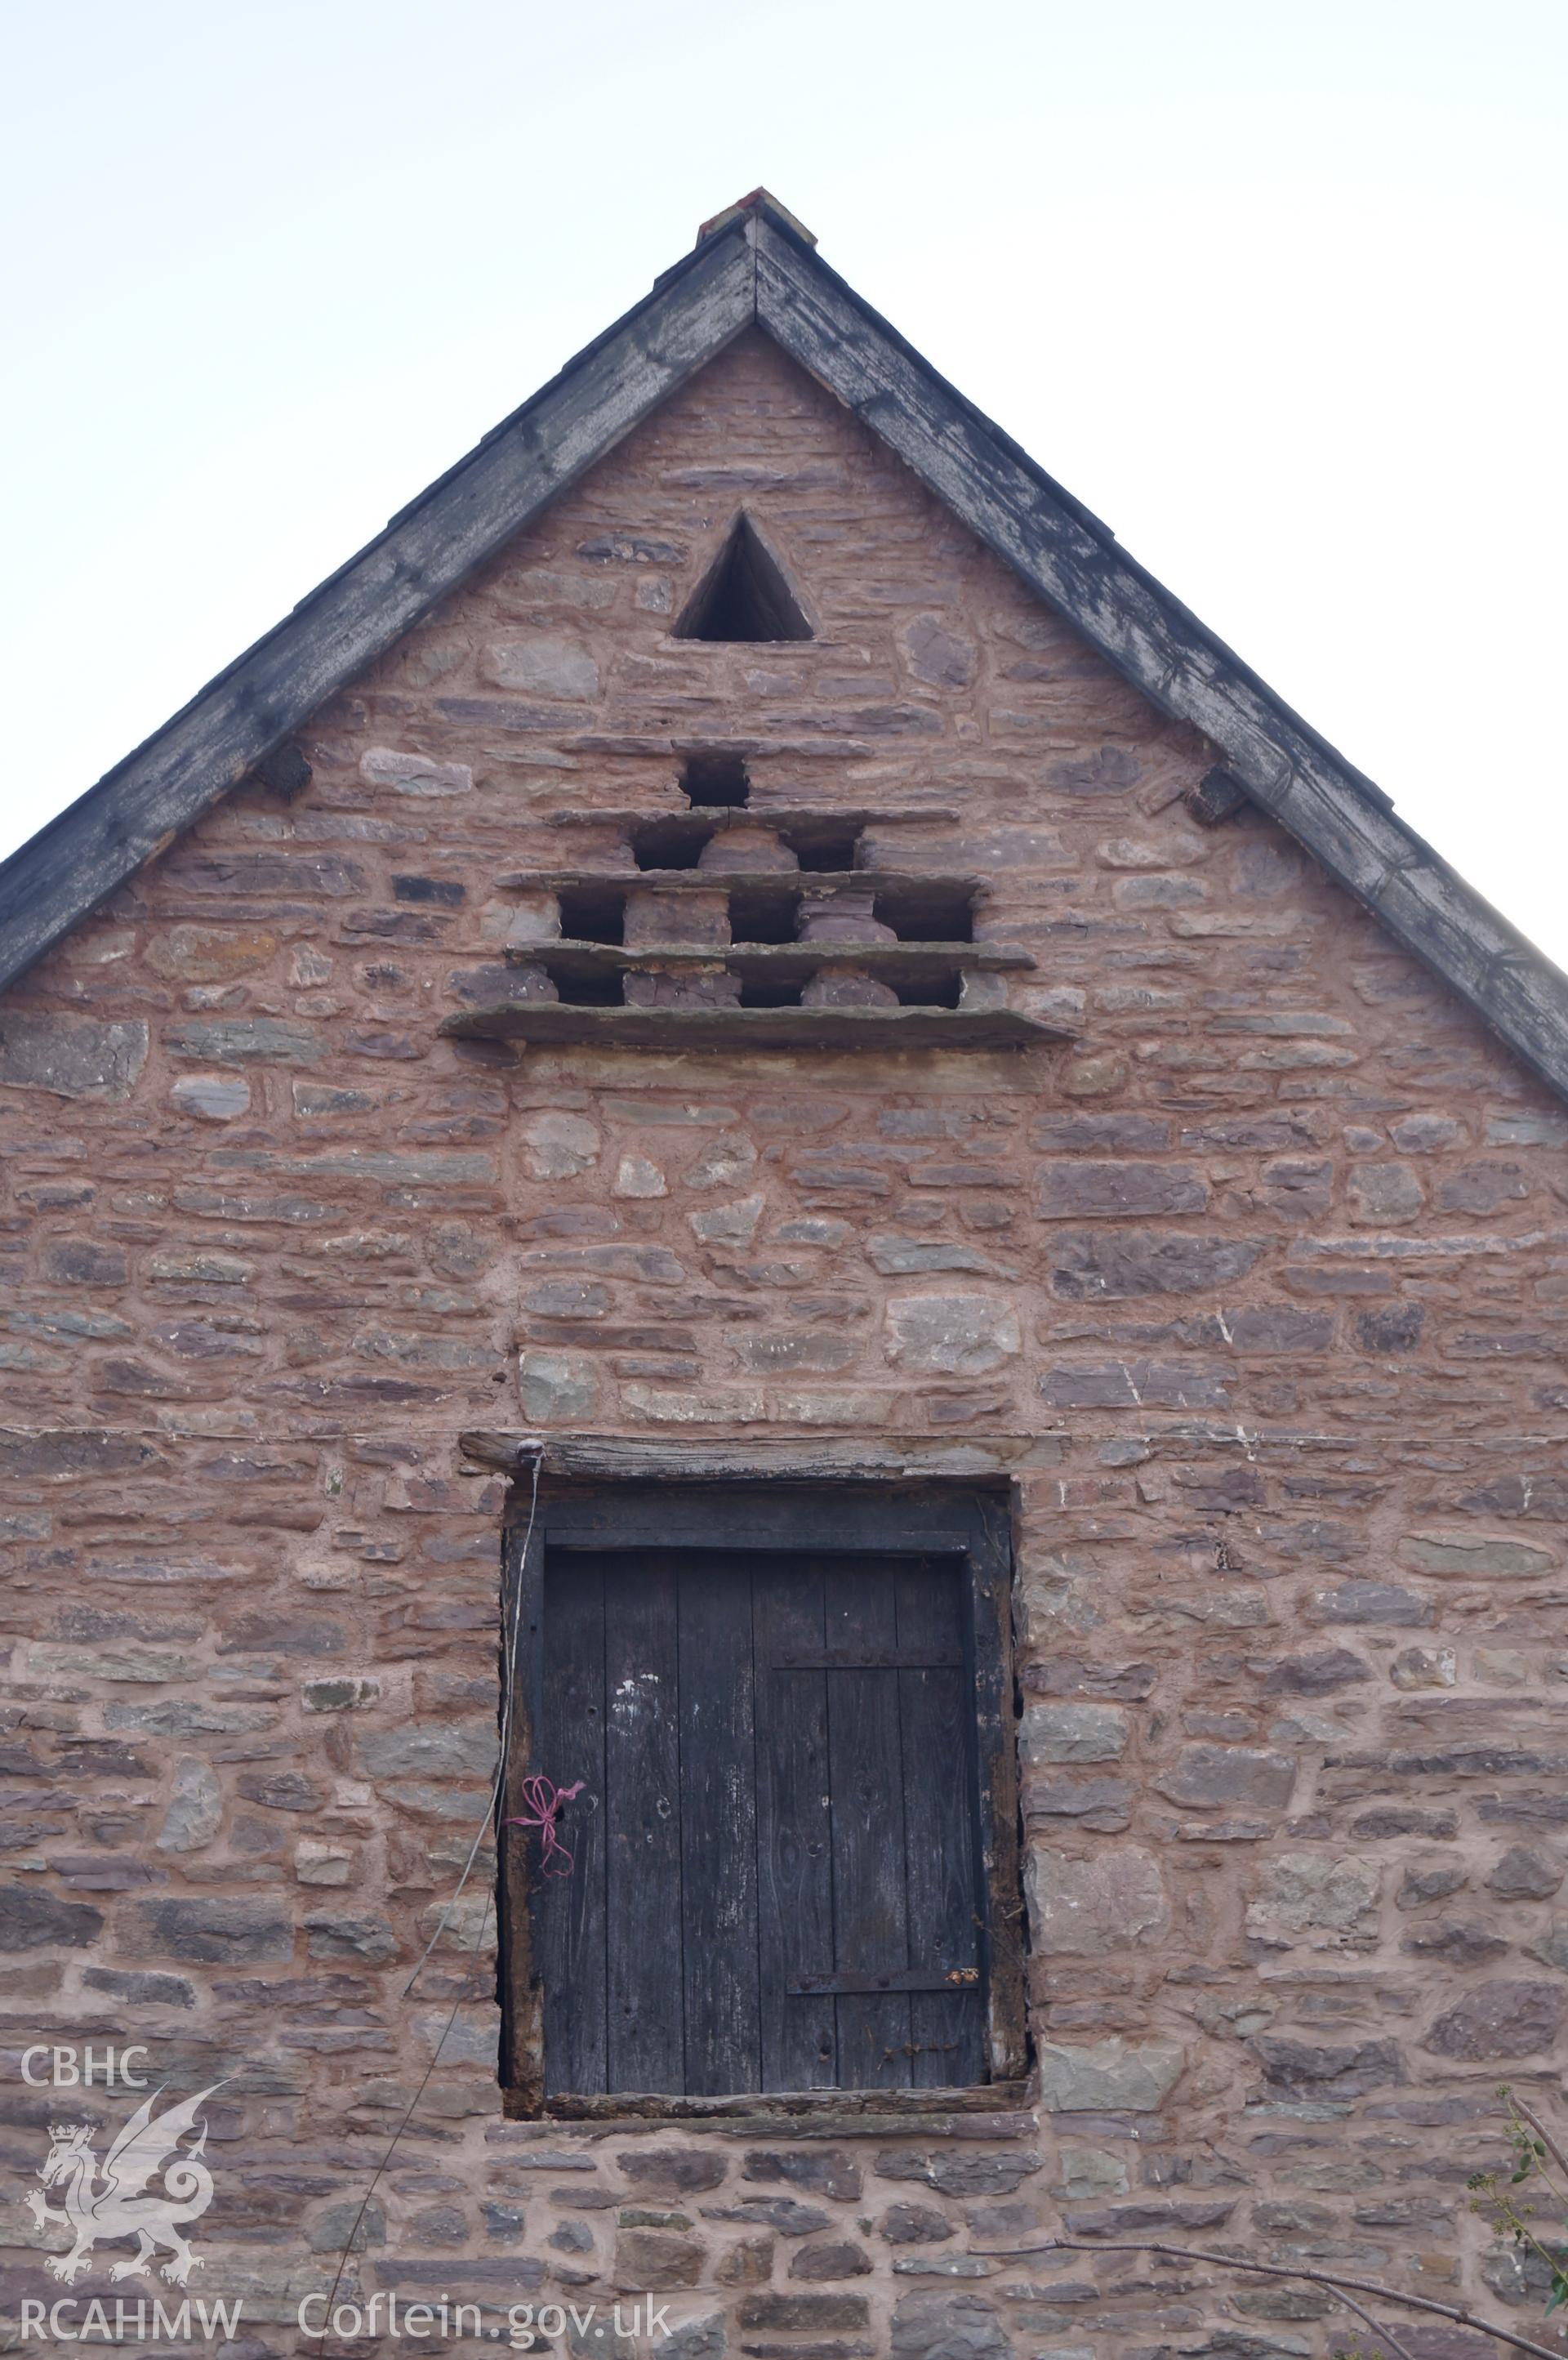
point(1386, 2332)
point(1527, 2115)
point(1531, 2140)
point(1366, 2318)
point(1339, 2286)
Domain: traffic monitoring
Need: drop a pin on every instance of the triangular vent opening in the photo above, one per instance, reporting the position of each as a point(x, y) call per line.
point(743, 595)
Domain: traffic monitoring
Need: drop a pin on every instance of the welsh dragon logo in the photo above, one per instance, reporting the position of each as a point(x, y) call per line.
point(120, 2204)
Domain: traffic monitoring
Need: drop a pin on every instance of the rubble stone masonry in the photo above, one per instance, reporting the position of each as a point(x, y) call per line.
point(1254, 1293)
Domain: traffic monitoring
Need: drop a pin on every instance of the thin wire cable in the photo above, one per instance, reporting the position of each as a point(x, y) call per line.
point(508, 1696)
point(379, 2172)
point(508, 1701)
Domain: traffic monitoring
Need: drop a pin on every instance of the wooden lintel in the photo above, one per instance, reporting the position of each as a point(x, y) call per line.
point(802, 1458)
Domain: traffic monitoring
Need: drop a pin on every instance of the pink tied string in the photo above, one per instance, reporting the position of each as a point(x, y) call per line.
point(544, 1799)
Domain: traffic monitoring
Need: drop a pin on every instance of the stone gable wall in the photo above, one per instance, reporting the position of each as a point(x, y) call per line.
point(1255, 1291)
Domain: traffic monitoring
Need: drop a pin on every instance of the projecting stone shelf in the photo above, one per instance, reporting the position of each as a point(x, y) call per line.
point(549, 1023)
point(908, 963)
point(734, 925)
point(769, 881)
point(711, 818)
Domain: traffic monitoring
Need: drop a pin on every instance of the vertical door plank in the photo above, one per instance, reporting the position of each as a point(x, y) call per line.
point(718, 1827)
point(989, 1603)
point(570, 1910)
point(642, 1803)
point(869, 1912)
point(794, 1852)
point(944, 1900)
point(522, 1655)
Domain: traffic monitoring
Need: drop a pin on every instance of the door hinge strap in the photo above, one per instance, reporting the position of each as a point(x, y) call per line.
point(912, 1978)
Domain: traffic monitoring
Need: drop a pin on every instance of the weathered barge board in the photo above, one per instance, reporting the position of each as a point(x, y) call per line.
point(1075, 561)
point(139, 808)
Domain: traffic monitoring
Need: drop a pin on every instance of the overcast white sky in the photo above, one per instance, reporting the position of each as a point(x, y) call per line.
point(1275, 286)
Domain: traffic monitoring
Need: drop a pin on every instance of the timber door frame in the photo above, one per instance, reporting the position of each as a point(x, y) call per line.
point(872, 1520)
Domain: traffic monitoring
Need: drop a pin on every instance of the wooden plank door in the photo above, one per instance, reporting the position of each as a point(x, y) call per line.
point(867, 1704)
point(794, 1829)
point(776, 1880)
